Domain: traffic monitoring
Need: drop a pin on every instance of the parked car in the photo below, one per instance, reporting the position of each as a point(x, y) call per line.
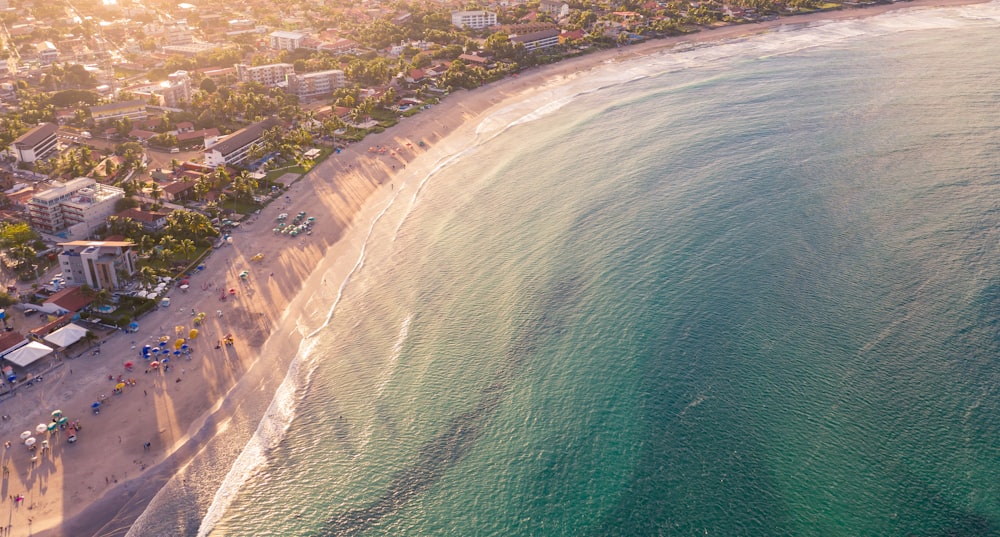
point(29, 312)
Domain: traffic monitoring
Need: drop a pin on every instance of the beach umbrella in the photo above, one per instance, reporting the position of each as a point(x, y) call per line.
point(184, 287)
point(30, 441)
point(25, 435)
point(95, 404)
point(156, 350)
point(154, 365)
point(129, 364)
point(52, 426)
point(184, 347)
point(192, 334)
point(163, 342)
point(178, 343)
point(41, 428)
point(56, 414)
point(63, 420)
point(177, 352)
point(120, 385)
point(133, 325)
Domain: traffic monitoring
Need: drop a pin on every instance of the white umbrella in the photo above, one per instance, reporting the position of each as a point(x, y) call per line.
point(25, 435)
point(30, 441)
point(41, 428)
point(185, 286)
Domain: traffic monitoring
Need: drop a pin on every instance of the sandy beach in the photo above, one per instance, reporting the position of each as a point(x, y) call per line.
point(144, 435)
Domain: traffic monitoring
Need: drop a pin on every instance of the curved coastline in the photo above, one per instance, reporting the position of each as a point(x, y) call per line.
point(349, 190)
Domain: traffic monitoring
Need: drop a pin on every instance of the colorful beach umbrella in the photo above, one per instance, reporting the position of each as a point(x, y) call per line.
point(52, 426)
point(95, 404)
point(63, 421)
point(56, 413)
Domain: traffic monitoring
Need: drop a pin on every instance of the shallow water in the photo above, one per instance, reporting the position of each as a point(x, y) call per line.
point(745, 289)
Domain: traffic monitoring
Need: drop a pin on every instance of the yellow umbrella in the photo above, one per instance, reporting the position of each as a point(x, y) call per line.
point(120, 386)
point(178, 329)
point(193, 333)
point(178, 343)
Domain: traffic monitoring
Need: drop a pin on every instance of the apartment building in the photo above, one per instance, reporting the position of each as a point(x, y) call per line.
point(476, 20)
point(270, 75)
point(282, 40)
point(310, 85)
point(73, 208)
point(36, 144)
point(99, 264)
point(234, 149)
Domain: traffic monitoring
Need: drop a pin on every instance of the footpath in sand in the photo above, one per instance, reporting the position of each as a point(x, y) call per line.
point(143, 434)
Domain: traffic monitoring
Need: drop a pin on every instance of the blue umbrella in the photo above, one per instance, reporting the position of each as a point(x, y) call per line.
point(133, 325)
point(163, 343)
point(165, 360)
point(156, 351)
point(177, 353)
point(95, 404)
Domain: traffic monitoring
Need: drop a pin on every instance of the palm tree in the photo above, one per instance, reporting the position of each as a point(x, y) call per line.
point(186, 248)
point(155, 191)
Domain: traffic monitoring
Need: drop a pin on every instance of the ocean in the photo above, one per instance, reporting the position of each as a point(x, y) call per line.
point(748, 288)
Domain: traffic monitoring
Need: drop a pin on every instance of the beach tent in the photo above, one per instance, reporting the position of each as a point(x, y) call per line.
point(67, 335)
point(28, 354)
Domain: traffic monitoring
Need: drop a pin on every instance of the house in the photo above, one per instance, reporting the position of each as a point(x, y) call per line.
point(415, 76)
point(474, 59)
point(234, 149)
point(99, 264)
point(178, 190)
point(36, 144)
point(68, 300)
point(151, 220)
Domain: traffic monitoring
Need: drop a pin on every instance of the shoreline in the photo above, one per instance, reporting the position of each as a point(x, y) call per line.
point(225, 392)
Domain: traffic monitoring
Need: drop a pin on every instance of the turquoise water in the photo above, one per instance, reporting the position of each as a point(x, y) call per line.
point(745, 289)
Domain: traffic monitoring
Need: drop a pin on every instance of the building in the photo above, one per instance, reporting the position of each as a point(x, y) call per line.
point(270, 75)
point(310, 85)
point(111, 111)
point(476, 20)
point(151, 220)
point(233, 149)
point(99, 264)
point(37, 143)
point(46, 52)
point(75, 207)
point(537, 40)
point(282, 40)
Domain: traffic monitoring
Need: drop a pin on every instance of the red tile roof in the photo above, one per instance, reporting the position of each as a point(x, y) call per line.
point(70, 298)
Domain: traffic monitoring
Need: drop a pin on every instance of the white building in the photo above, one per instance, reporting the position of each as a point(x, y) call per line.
point(99, 264)
point(476, 20)
point(234, 149)
point(282, 40)
point(311, 85)
point(36, 144)
point(73, 209)
point(270, 75)
point(538, 40)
